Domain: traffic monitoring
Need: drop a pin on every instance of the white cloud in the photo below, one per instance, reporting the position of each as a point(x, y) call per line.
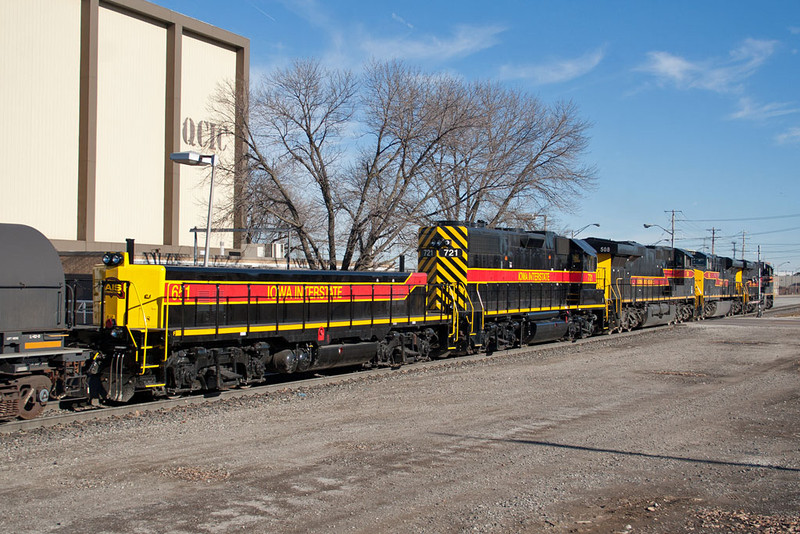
point(464, 41)
point(715, 74)
point(794, 30)
point(350, 44)
point(401, 20)
point(669, 67)
point(556, 71)
point(792, 135)
point(753, 111)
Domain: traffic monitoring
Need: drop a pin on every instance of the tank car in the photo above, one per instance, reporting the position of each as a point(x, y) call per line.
point(35, 363)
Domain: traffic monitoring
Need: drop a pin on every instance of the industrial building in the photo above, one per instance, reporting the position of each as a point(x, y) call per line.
point(96, 95)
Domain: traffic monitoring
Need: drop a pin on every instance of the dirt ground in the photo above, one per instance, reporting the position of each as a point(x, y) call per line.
point(694, 428)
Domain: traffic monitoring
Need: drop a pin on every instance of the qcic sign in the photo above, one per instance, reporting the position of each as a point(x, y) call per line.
point(205, 134)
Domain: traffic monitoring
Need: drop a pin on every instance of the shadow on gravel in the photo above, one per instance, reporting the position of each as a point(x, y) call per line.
point(623, 453)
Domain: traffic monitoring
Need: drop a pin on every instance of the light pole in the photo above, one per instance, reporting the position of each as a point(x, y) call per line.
point(193, 158)
point(671, 233)
point(543, 216)
point(584, 228)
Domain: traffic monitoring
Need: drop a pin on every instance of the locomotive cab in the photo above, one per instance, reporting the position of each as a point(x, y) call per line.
point(131, 295)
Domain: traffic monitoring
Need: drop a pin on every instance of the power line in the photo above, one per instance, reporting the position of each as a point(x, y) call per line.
point(744, 218)
point(775, 231)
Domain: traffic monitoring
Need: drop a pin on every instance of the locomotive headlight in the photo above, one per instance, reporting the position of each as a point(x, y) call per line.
point(112, 259)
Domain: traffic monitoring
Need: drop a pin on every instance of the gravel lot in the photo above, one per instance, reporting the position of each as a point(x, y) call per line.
point(687, 428)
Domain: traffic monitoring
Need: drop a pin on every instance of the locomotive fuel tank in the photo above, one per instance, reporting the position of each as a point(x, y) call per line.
point(659, 313)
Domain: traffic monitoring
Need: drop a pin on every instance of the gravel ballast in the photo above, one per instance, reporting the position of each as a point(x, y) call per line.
point(687, 428)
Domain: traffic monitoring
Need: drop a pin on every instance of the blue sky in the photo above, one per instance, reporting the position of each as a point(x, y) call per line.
point(695, 105)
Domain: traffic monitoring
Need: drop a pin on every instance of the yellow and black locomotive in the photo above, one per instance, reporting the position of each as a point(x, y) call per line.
point(171, 329)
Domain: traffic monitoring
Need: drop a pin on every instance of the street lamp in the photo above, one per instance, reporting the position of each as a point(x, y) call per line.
point(671, 233)
point(193, 158)
point(584, 228)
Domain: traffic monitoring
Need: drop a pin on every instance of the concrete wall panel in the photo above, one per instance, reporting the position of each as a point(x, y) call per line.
point(39, 91)
point(131, 89)
point(205, 67)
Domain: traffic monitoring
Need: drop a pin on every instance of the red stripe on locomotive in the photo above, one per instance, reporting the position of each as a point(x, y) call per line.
point(289, 292)
point(515, 276)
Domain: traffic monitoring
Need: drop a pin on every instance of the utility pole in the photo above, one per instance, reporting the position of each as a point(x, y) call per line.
point(713, 237)
point(743, 244)
point(734, 249)
point(760, 311)
point(672, 232)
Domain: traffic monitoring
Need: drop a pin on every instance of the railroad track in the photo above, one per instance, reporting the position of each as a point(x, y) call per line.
point(783, 311)
point(54, 415)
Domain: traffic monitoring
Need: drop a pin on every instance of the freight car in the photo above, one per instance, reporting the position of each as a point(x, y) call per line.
point(35, 363)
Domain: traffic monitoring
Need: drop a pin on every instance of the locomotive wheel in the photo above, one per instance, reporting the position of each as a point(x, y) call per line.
point(34, 392)
point(627, 321)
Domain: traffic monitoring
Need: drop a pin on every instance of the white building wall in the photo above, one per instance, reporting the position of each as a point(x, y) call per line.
point(131, 93)
point(111, 176)
point(40, 93)
point(205, 67)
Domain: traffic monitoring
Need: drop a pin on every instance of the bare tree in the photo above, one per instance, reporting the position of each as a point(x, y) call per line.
point(407, 116)
point(294, 126)
point(518, 160)
point(353, 166)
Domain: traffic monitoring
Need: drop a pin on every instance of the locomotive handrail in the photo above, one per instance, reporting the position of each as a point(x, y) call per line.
point(618, 294)
point(471, 315)
point(144, 346)
point(165, 308)
point(25, 286)
point(126, 315)
point(69, 310)
point(455, 314)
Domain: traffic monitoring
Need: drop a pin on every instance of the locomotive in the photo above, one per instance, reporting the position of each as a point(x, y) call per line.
point(171, 330)
point(167, 330)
